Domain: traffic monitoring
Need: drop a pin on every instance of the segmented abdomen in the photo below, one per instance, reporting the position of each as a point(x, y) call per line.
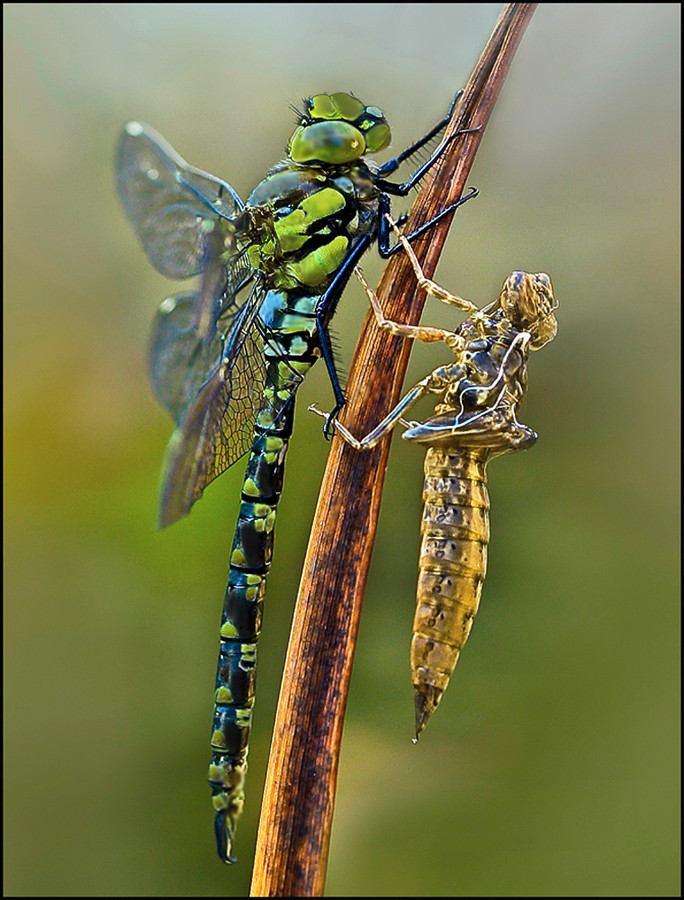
point(250, 561)
point(453, 563)
point(289, 355)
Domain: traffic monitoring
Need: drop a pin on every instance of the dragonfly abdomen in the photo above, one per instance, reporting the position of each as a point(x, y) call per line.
point(250, 561)
point(291, 351)
point(452, 568)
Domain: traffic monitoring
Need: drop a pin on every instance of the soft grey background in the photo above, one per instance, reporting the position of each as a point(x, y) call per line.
point(551, 767)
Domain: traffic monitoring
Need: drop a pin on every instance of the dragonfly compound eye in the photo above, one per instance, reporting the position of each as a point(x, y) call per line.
point(329, 142)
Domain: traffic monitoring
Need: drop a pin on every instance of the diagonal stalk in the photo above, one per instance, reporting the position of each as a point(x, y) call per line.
point(296, 816)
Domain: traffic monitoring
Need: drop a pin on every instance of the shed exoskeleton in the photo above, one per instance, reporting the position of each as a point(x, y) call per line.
point(475, 419)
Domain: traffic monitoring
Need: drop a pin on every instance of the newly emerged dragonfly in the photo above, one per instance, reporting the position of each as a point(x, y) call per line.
point(226, 362)
point(475, 419)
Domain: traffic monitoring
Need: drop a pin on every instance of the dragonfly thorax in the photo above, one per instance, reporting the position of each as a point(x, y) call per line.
point(304, 219)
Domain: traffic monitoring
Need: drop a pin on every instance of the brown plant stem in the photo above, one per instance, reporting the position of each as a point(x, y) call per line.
point(296, 816)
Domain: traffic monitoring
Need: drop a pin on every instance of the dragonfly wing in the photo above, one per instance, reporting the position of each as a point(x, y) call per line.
point(168, 202)
point(185, 221)
point(179, 360)
point(225, 271)
point(218, 427)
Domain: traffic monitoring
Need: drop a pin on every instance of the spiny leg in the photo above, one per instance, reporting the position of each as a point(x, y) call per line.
point(384, 248)
point(324, 307)
point(393, 164)
point(401, 190)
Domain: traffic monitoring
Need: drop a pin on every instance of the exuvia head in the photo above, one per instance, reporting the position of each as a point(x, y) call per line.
point(528, 301)
point(336, 129)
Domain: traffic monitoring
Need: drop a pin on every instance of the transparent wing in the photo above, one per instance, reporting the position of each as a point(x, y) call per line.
point(218, 426)
point(168, 201)
point(179, 361)
point(184, 219)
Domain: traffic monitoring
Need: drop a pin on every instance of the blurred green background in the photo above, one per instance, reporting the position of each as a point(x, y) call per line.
point(552, 765)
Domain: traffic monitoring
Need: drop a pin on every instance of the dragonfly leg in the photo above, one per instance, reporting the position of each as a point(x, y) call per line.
point(401, 190)
point(393, 164)
point(384, 247)
point(340, 400)
point(324, 310)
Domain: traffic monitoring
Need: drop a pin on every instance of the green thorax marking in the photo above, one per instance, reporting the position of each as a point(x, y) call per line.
point(302, 220)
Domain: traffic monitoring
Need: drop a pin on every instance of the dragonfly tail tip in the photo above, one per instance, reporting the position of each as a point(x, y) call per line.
point(224, 838)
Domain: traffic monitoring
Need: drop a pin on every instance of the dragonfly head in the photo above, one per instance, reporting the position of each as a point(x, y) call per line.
point(528, 301)
point(336, 129)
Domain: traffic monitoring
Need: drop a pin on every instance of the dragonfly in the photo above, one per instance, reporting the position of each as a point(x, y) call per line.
point(226, 358)
point(475, 419)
